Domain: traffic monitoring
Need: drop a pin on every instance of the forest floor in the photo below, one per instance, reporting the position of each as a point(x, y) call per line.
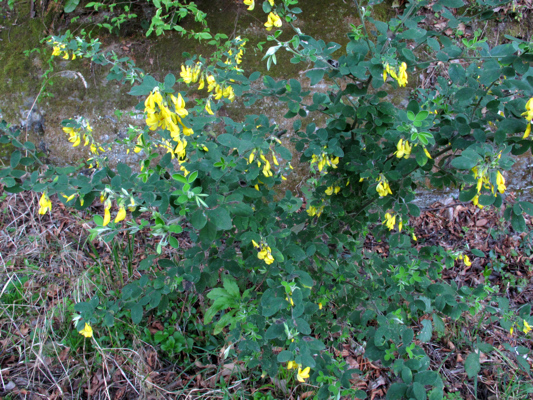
point(47, 264)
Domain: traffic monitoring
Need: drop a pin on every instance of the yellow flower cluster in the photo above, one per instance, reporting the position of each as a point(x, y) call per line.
point(158, 114)
point(324, 160)
point(76, 136)
point(330, 190)
point(383, 187)
point(465, 259)
point(303, 374)
point(264, 252)
point(273, 21)
point(312, 211)
point(482, 176)
point(59, 48)
point(390, 222)
point(44, 204)
point(121, 214)
point(262, 161)
point(194, 75)
point(400, 76)
point(528, 115)
point(404, 149)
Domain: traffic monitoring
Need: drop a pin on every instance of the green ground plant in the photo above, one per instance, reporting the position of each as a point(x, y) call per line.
point(283, 278)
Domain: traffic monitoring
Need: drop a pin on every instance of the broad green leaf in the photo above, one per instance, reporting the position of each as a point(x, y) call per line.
point(472, 365)
point(220, 217)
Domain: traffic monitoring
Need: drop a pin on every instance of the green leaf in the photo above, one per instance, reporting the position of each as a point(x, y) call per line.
point(315, 75)
point(472, 365)
point(451, 3)
point(275, 331)
point(15, 158)
point(221, 218)
point(136, 313)
point(232, 288)
point(464, 94)
point(425, 334)
point(144, 89)
point(228, 140)
point(198, 219)
point(518, 223)
point(419, 391)
point(464, 162)
point(396, 391)
point(71, 5)
point(295, 252)
point(285, 356)
point(302, 326)
point(527, 207)
point(170, 80)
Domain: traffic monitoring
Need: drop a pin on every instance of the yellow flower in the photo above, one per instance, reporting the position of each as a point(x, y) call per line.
point(390, 221)
point(68, 197)
point(527, 327)
point(329, 191)
point(500, 181)
point(107, 214)
point(467, 261)
point(44, 204)
point(208, 108)
point(528, 115)
point(121, 214)
point(402, 76)
point(292, 364)
point(273, 21)
point(527, 132)
point(202, 83)
point(211, 82)
point(403, 149)
point(266, 255)
point(289, 299)
point(250, 3)
point(383, 188)
point(511, 331)
point(303, 374)
point(87, 331)
point(427, 153)
point(320, 306)
point(271, 2)
point(414, 237)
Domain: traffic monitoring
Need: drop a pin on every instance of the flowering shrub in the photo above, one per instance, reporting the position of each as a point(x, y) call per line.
point(367, 158)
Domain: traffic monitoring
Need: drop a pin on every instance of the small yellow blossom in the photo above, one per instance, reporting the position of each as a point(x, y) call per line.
point(427, 153)
point(303, 374)
point(107, 214)
point(403, 149)
point(528, 115)
point(121, 214)
point(511, 331)
point(414, 237)
point(500, 182)
point(289, 299)
point(390, 221)
point(273, 21)
point(467, 261)
point(250, 3)
point(320, 306)
point(527, 327)
point(208, 108)
point(44, 204)
point(87, 331)
point(271, 2)
point(265, 252)
point(383, 187)
point(292, 364)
